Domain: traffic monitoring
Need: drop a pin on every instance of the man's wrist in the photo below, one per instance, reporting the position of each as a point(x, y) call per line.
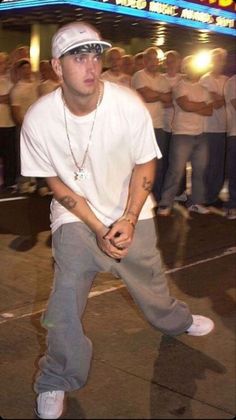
point(127, 219)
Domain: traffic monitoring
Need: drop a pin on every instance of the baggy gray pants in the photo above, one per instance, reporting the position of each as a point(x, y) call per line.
point(65, 365)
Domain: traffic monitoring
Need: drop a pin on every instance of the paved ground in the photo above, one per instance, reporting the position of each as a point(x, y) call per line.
point(137, 372)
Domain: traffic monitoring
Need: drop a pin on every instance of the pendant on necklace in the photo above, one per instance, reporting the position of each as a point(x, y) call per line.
point(81, 175)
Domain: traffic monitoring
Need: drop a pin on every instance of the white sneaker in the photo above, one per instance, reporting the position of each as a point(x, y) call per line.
point(200, 326)
point(199, 208)
point(50, 404)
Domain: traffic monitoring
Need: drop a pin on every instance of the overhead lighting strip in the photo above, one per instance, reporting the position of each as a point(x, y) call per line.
point(131, 11)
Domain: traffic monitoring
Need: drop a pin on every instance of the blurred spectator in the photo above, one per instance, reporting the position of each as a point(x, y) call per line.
point(7, 128)
point(214, 82)
point(230, 99)
point(172, 63)
point(128, 64)
point(155, 91)
point(22, 51)
point(189, 143)
point(113, 60)
point(23, 95)
point(48, 78)
point(138, 62)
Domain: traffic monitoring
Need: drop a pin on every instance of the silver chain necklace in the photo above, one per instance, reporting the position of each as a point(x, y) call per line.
point(81, 173)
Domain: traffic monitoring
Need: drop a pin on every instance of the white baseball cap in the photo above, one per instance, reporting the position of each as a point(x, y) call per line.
point(75, 35)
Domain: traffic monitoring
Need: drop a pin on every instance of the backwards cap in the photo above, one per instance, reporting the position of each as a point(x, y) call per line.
point(74, 35)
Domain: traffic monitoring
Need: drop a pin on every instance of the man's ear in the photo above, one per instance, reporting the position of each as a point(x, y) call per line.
point(56, 65)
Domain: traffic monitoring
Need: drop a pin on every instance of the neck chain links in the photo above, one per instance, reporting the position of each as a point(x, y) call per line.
point(81, 173)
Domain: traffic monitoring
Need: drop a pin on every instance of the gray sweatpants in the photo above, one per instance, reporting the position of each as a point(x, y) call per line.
point(65, 365)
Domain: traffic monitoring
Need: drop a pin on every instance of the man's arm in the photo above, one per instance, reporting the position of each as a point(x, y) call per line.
point(202, 108)
point(218, 100)
point(141, 184)
point(150, 95)
point(78, 205)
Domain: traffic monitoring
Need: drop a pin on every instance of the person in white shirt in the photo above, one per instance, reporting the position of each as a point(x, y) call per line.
point(215, 127)
point(8, 151)
point(99, 154)
point(230, 100)
point(23, 94)
point(191, 102)
point(172, 64)
point(128, 65)
point(138, 61)
point(114, 73)
point(155, 91)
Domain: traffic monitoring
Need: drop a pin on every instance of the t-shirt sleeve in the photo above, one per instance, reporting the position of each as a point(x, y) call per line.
point(34, 159)
point(138, 81)
point(180, 90)
point(206, 83)
point(230, 90)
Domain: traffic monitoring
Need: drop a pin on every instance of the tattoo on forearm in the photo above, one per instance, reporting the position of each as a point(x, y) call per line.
point(68, 202)
point(147, 185)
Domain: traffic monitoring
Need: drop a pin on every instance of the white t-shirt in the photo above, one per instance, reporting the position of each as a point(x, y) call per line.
point(24, 94)
point(189, 123)
point(122, 137)
point(230, 93)
point(122, 78)
point(216, 123)
point(169, 112)
point(157, 82)
point(5, 110)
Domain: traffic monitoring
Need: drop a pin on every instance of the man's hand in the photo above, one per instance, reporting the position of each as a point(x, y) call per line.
point(121, 235)
point(116, 240)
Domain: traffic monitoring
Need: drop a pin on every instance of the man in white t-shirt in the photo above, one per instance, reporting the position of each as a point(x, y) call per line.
point(215, 127)
point(98, 153)
point(114, 73)
point(155, 91)
point(230, 100)
point(7, 128)
point(188, 141)
point(172, 64)
point(23, 95)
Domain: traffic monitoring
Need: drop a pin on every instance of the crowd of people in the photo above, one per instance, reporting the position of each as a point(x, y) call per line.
point(193, 116)
point(20, 87)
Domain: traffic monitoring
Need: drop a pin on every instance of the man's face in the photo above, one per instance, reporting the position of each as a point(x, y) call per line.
point(115, 60)
point(25, 71)
point(79, 72)
point(151, 61)
point(218, 63)
point(172, 63)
